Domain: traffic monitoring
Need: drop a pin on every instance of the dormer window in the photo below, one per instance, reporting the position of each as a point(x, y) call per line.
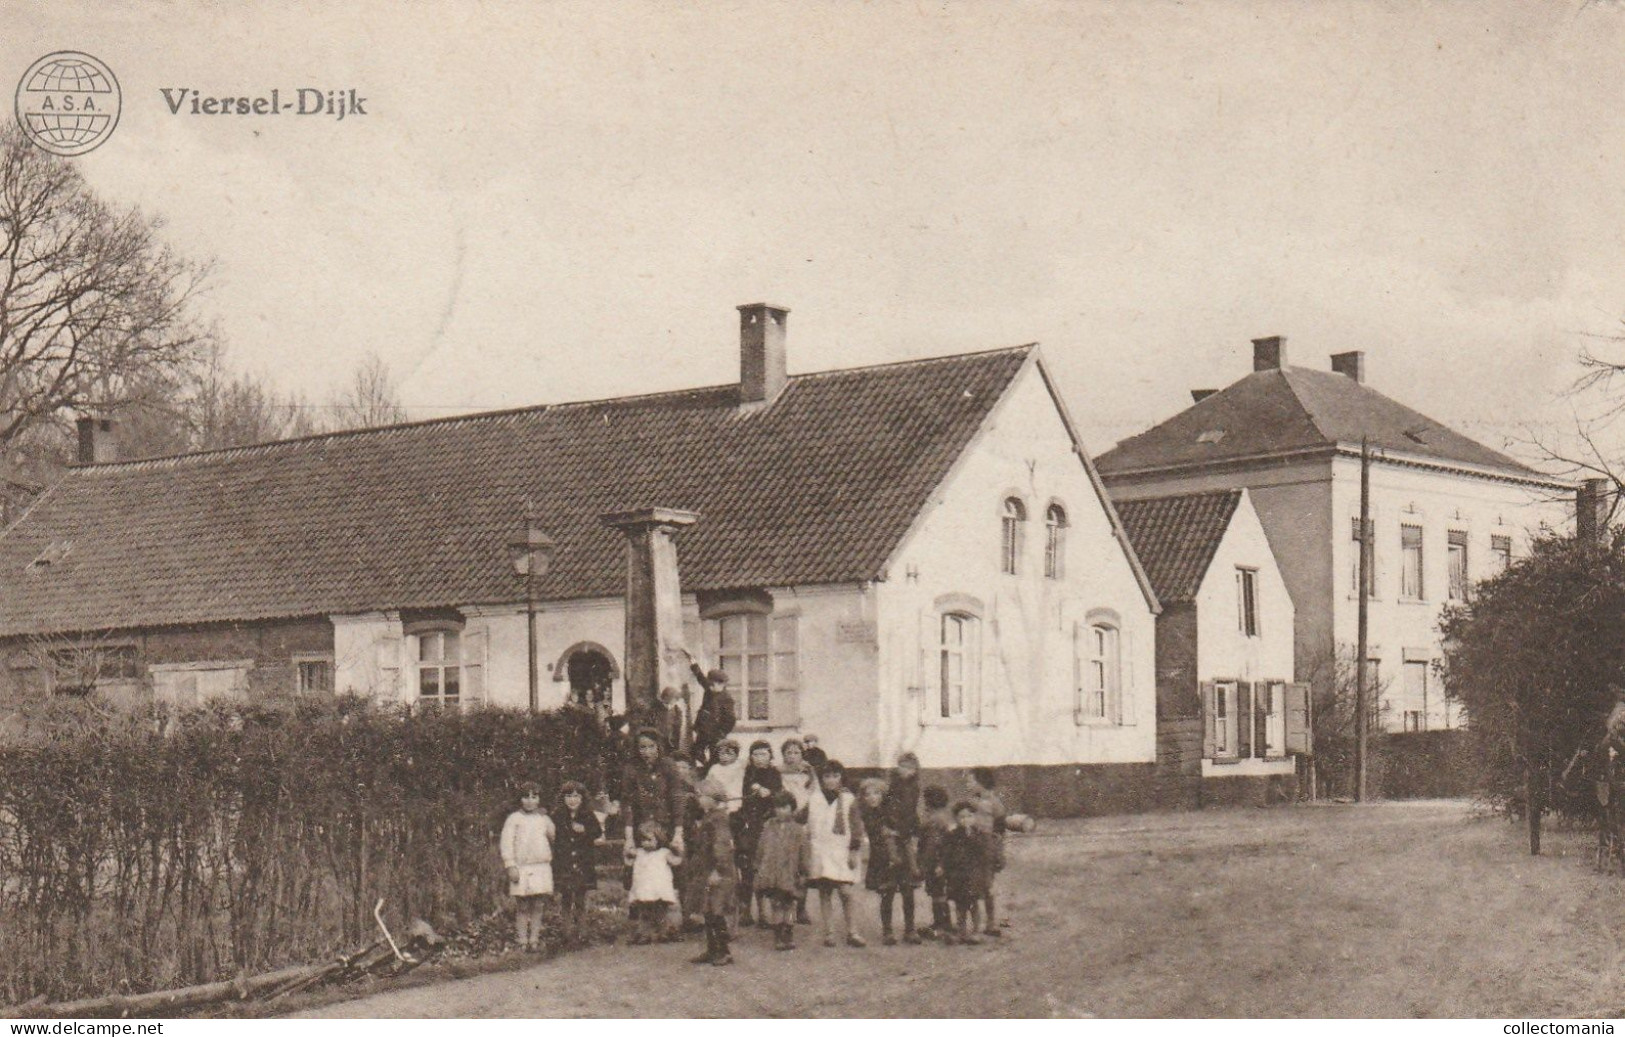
point(53, 553)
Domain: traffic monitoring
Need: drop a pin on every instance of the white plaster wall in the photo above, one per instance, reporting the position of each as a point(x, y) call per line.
point(1028, 712)
point(1438, 502)
point(1222, 649)
point(836, 659)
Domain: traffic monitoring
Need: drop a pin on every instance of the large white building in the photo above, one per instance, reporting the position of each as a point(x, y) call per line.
point(1446, 511)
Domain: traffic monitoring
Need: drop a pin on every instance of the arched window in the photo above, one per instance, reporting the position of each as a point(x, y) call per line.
point(1055, 542)
point(958, 665)
point(1015, 519)
point(1097, 668)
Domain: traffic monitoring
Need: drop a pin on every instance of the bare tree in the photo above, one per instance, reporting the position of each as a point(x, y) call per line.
point(94, 309)
point(371, 399)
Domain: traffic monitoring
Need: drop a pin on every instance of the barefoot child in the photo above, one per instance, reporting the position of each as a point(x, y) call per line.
point(781, 867)
point(653, 893)
point(835, 834)
point(527, 854)
point(575, 869)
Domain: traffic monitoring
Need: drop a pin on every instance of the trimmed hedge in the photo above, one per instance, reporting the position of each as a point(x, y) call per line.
point(142, 853)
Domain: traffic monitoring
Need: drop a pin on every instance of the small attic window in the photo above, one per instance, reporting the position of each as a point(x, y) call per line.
point(53, 553)
point(1212, 435)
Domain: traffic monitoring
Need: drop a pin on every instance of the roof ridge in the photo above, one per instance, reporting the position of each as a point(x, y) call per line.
point(1286, 376)
point(511, 412)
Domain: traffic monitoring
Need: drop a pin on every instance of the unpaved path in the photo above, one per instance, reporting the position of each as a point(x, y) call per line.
point(1387, 910)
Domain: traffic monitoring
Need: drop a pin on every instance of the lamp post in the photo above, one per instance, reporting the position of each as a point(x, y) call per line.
point(532, 555)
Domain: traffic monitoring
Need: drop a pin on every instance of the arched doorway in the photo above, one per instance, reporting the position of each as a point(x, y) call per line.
point(591, 674)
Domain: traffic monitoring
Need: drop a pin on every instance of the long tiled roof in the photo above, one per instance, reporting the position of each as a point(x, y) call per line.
point(1294, 409)
point(1176, 538)
point(818, 486)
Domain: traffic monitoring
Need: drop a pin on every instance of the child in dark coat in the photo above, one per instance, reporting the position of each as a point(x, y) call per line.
point(781, 867)
point(575, 868)
point(762, 782)
point(887, 872)
point(938, 823)
point(712, 857)
point(900, 814)
point(967, 870)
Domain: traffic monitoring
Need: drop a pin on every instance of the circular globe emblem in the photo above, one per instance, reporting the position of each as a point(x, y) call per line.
point(68, 102)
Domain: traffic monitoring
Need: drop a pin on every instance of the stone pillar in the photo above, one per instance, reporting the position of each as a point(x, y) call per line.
point(654, 604)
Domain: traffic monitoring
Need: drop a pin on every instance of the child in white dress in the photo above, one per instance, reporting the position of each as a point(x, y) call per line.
point(654, 889)
point(527, 854)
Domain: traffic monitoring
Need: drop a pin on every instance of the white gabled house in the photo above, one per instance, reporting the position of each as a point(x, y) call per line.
point(912, 556)
point(1228, 704)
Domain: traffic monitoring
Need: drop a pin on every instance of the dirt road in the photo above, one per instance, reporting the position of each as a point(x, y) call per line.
point(1388, 910)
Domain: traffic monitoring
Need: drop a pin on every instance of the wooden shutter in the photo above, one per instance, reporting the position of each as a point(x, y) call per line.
point(1263, 693)
point(1299, 736)
point(389, 669)
point(979, 673)
point(474, 656)
point(1210, 720)
point(784, 678)
point(926, 685)
point(1244, 719)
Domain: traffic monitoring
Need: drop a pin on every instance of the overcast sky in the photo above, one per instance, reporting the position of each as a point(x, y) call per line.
point(560, 201)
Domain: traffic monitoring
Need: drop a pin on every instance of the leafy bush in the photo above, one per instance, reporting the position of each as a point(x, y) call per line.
point(1531, 658)
point(145, 852)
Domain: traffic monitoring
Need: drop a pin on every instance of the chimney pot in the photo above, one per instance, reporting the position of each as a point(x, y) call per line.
point(762, 329)
point(1269, 354)
point(1198, 395)
point(95, 440)
point(1351, 364)
point(1591, 509)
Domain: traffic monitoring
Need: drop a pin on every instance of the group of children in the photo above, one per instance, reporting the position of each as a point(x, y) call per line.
point(746, 833)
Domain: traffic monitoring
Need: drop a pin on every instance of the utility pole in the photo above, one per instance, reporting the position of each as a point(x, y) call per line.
point(1360, 690)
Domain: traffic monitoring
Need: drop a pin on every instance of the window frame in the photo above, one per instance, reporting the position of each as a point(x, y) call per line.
point(968, 650)
point(441, 664)
point(1408, 551)
point(302, 659)
point(1458, 579)
point(1097, 669)
point(1501, 552)
point(1055, 527)
point(1247, 605)
point(779, 657)
point(1012, 534)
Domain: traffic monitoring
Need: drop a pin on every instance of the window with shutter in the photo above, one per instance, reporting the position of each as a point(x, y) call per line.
point(1244, 720)
point(1296, 721)
point(1210, 720)
point(1226, 702)
point(759, 651)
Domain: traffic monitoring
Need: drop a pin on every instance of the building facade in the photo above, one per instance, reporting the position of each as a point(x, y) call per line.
point(1446, 512)
point(914, 556)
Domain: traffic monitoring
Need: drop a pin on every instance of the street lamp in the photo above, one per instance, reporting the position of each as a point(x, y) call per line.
point(532, 554)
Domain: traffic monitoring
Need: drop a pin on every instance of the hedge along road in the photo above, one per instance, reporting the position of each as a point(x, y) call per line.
point(1386, 910)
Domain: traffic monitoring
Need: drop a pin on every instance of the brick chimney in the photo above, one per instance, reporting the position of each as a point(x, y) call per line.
point(1350, 364)
point(95, 441)
point(1591, 509)
point(761, 351)
point(1198, 395)
point(1269, 354)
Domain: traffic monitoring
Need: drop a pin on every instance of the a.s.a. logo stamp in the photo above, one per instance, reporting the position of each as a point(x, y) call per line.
point(68, 102)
